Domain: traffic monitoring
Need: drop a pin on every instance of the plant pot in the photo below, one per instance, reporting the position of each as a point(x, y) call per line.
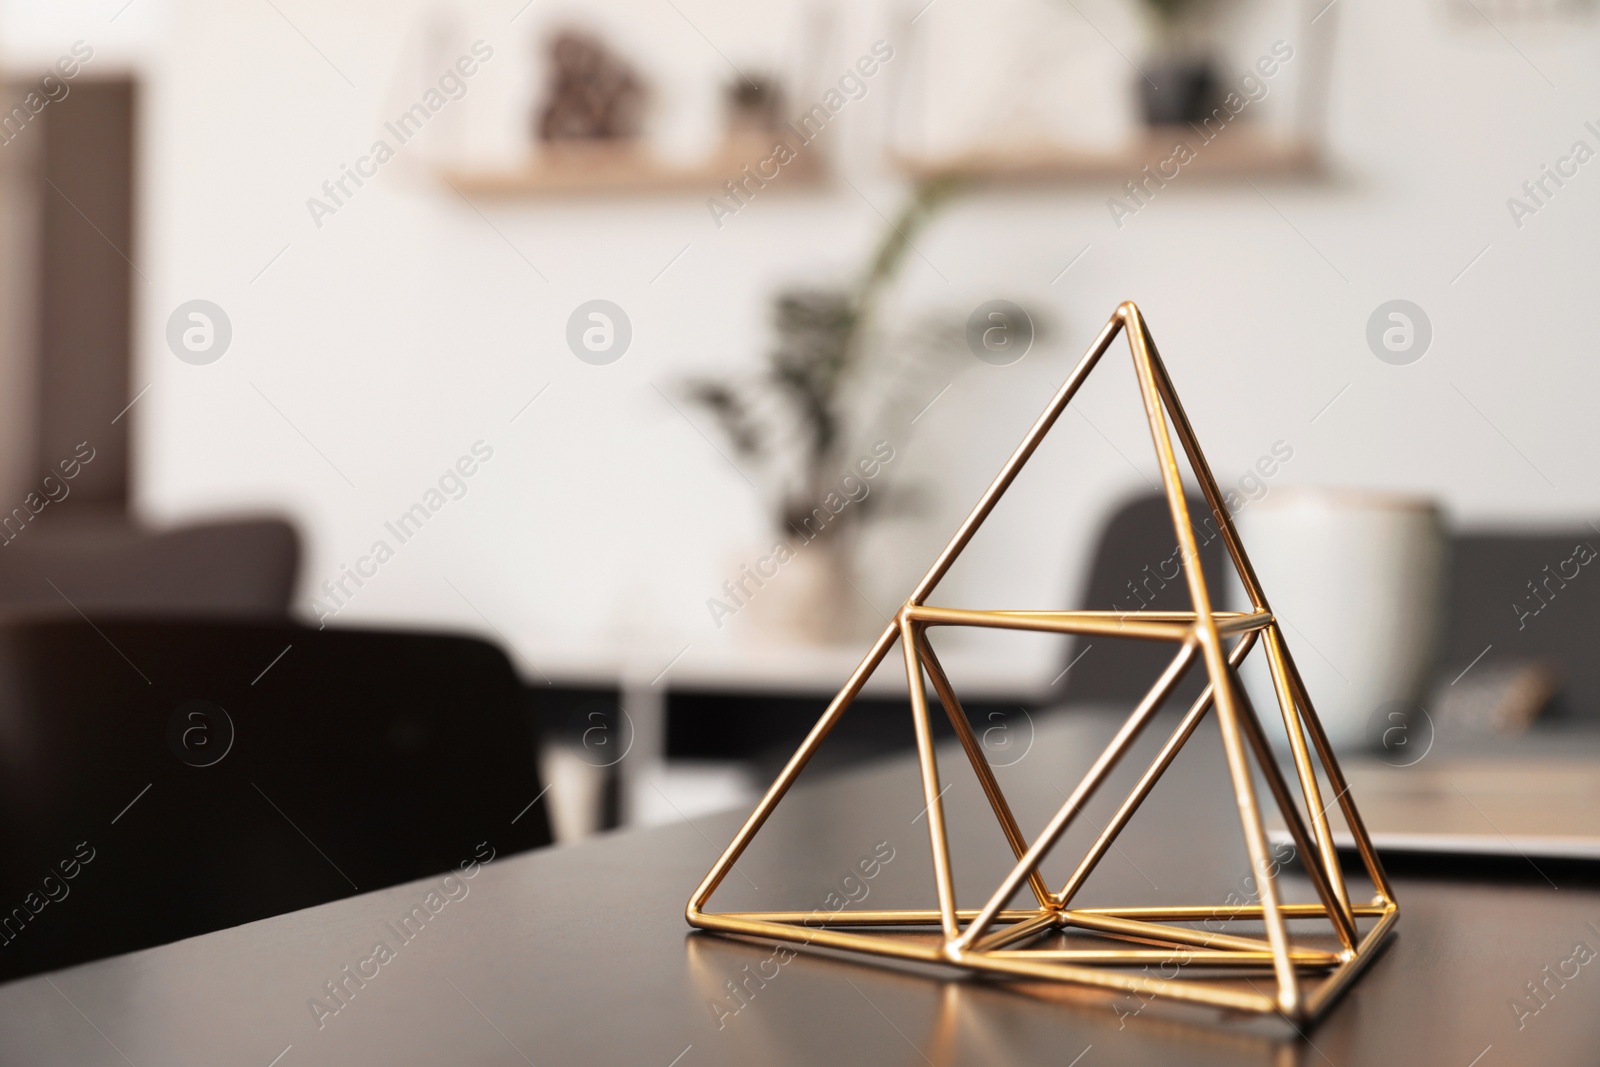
point(1175, 91)
point(812, 600)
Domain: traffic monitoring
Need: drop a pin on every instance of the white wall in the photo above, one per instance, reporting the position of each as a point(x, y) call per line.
point(407, 327)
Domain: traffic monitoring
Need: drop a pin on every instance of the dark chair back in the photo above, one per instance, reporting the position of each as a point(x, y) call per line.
point(239, 567)
point(163, 779)
point(1135, 567)
point(1520, 598)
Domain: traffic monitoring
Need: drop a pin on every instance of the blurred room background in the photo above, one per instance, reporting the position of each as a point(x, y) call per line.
point(378, 321)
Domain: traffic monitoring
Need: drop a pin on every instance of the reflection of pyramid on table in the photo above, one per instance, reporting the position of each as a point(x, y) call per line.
point(997, 939)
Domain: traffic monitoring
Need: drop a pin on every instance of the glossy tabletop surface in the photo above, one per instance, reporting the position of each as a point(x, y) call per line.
point(580, 955)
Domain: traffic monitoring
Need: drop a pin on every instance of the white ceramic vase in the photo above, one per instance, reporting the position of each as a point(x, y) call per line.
point(1356, 580)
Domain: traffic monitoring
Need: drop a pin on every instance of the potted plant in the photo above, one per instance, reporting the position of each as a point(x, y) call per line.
point(828, 393)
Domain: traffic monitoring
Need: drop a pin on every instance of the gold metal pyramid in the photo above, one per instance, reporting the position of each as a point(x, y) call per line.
point(997, 939)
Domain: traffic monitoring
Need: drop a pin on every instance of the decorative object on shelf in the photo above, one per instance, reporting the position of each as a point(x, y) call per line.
point(814, 415)
point(1200, 119)
point(1178, 85)
point(591, 125)
point(1033, 942)
point(1492, 14)
point(593, 95)
point(755, 106)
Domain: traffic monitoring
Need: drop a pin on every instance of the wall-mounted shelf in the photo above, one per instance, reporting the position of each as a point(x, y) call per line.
point(1233, 152)
point(625, 168)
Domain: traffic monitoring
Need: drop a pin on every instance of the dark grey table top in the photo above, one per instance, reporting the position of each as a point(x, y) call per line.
point(580, 955)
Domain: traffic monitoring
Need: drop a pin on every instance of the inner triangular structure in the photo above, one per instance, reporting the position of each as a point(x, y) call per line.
point(1268, 973)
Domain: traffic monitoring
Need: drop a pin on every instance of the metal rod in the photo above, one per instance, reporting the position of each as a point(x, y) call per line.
point(1341, 979)
point(790, 772)
point(1150, 913)
point(1304, 959)
point(1338, 908)
point(1224, 912)
point(980, 764)
point(1052, 622)
point(1193, 993)
point(1158, 767)
point(1336, 780)
point(1042, 923)
point(1202, 472)
point(1008, 473)
point(1097, 773)
point(911, 917)
point(1255, 836)
point(1327, 857)
point(930, 780)
point(885, 946)
point(1160, 934)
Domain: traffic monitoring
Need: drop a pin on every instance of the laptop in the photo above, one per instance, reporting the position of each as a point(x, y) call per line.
point(1536, 797)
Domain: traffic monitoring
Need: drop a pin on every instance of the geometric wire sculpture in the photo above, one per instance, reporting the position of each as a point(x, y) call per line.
point(1006, 940)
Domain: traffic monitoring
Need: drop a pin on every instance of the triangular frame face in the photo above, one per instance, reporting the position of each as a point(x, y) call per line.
point(995, 938)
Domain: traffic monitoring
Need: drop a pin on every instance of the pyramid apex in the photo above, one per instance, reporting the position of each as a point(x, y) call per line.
point(1128, 311)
